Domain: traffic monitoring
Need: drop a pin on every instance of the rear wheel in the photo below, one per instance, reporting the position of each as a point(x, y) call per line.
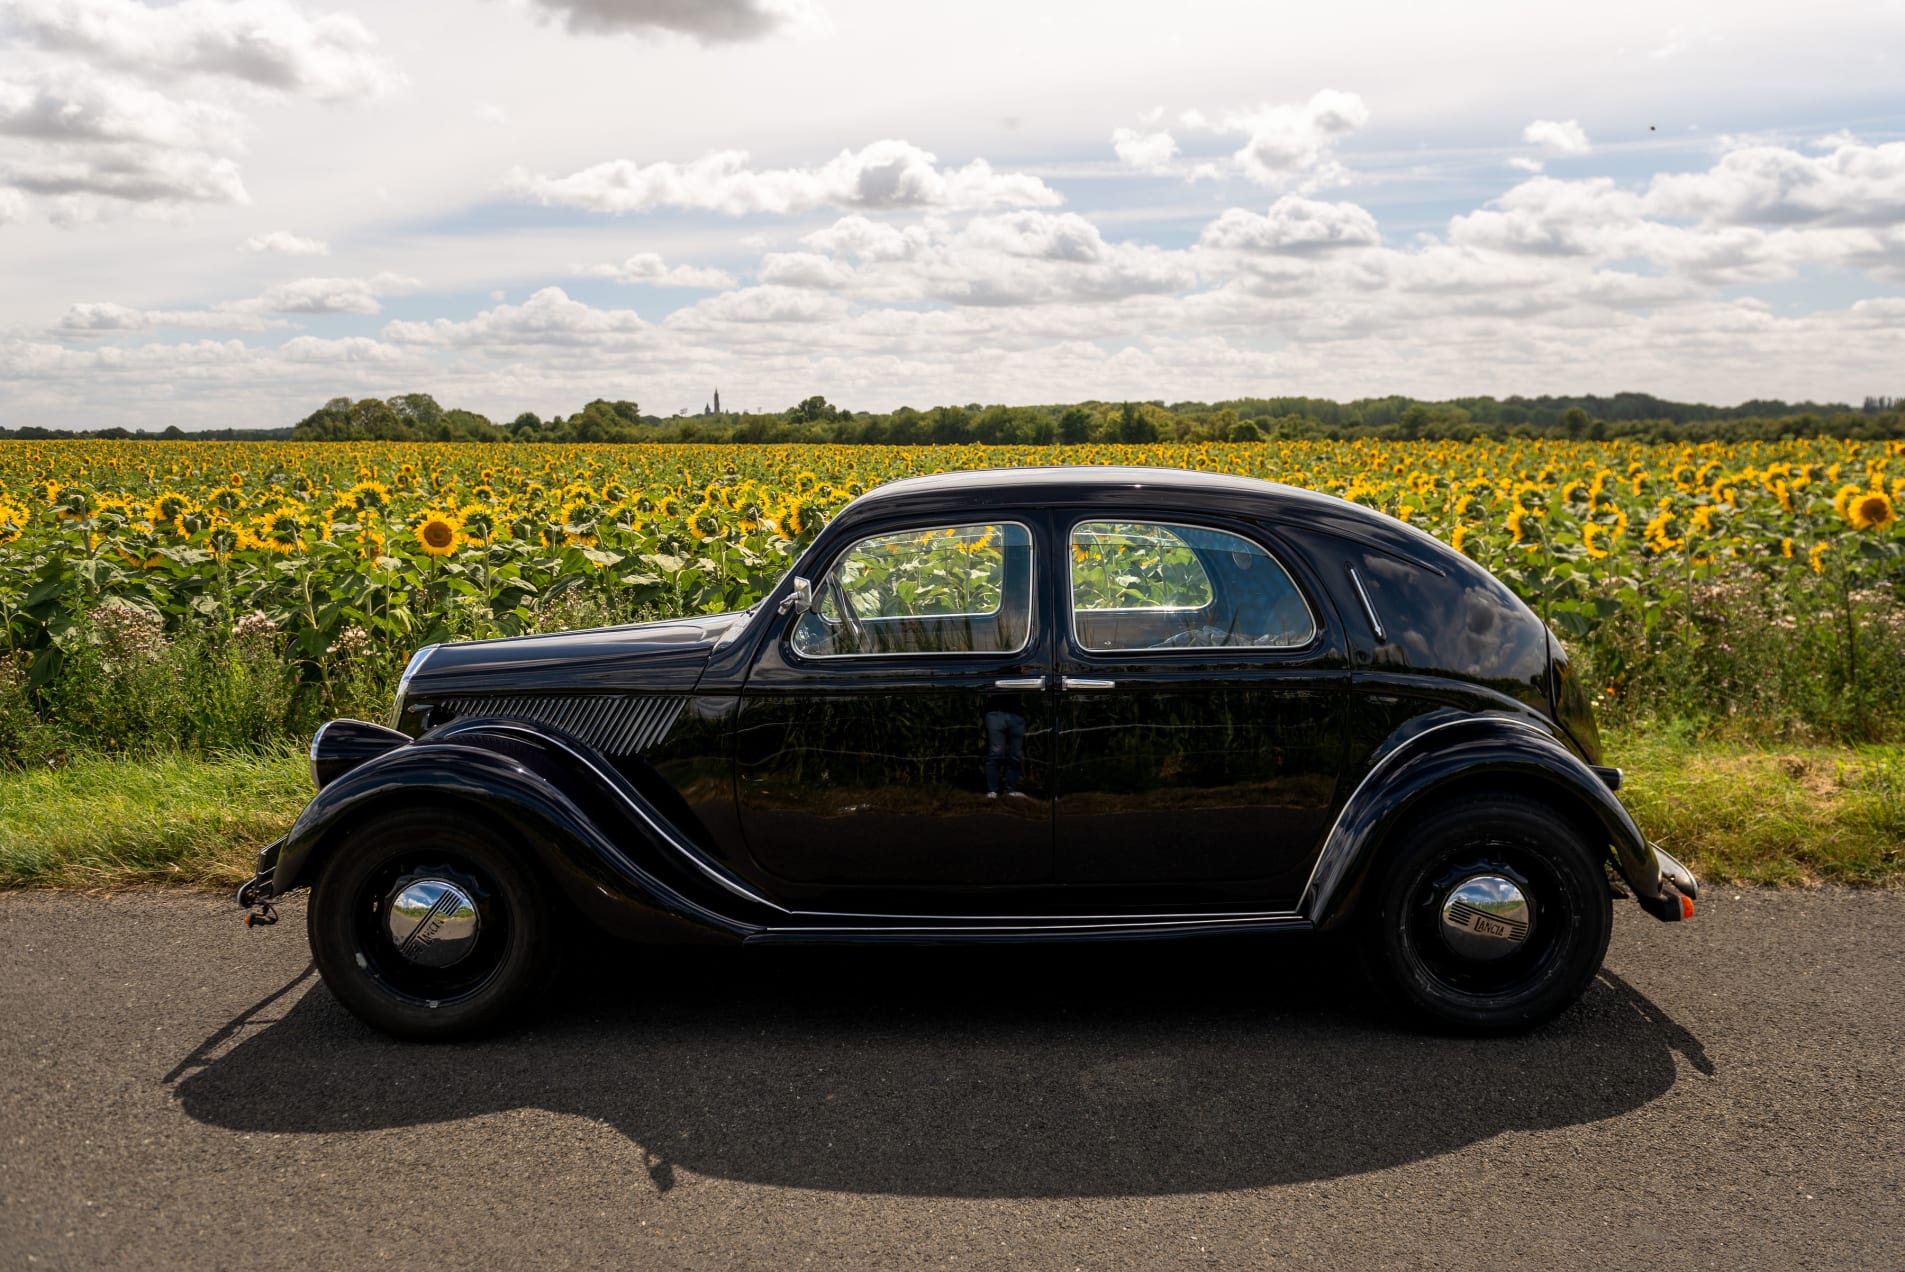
point(1493, 915)
point(426, 926)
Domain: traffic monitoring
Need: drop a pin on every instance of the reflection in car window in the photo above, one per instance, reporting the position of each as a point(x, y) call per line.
point(1138, 585)
point(942, 590)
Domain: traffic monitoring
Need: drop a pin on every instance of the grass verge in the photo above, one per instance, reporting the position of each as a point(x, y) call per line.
point(1735, 812)
point(1738, 813)
point(116, 822)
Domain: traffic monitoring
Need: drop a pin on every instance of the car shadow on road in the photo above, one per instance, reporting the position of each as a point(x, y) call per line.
point(1109, 1071)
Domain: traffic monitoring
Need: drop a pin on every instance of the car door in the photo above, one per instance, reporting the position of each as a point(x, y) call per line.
point(897, 735)
point(1201, 716)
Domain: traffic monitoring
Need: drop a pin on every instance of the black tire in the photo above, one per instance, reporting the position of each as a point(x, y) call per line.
point(348, 919)
point(1547, 856)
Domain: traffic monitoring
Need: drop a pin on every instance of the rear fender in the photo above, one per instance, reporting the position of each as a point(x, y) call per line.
point(592, 858)
point(1472, 751)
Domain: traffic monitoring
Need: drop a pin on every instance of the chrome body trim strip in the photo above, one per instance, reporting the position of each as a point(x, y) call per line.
point(618, 784)
point(1369, 608)
point(1307, 903)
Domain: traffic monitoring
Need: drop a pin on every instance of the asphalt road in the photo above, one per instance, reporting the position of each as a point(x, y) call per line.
point(175, 1090)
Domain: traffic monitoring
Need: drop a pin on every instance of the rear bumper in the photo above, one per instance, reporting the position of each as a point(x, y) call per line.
point(1678, 888)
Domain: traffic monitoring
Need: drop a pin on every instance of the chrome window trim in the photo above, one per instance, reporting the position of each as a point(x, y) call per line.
point(1073, 611)
point(1031, 585)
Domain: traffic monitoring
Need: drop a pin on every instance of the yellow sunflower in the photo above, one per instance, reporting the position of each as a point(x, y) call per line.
point(1870, 510)
point(439, 534)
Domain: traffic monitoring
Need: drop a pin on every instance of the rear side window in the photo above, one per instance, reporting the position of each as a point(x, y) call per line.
point(1148, 585)
point(961, 589)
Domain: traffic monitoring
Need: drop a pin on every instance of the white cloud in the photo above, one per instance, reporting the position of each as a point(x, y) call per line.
point(1145, 151)
point(1562, 136)
point(648, 268)
point(886, 174)
point(709, 21)
point(1011, 258)
point(1854, 184)
point(303, 296)
point(269, 44)
point(121, 106)
point(548, 317)
point(1525, 164)
point(1294, 225)
point(12, 206)
point(1293, 145)
point(285, 243)
point(334, 295)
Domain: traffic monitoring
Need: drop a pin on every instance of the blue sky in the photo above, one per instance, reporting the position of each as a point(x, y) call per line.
point(222, 212)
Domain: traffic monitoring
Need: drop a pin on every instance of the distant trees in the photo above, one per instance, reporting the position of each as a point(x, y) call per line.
point(420, 417)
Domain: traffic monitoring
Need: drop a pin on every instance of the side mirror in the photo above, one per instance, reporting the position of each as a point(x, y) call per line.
point(801, 599)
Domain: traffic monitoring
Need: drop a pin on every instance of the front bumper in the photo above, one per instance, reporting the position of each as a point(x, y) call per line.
point(259, 889)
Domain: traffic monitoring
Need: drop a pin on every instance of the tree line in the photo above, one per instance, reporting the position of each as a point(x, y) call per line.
point(1629, 416)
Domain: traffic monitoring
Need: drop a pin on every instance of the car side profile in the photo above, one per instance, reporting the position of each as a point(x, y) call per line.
point(1053, 704)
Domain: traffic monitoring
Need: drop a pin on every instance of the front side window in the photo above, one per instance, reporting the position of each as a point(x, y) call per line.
point(1146, 585)
point(964, 589)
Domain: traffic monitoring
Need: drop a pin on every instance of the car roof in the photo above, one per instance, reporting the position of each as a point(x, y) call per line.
point(1171, 487)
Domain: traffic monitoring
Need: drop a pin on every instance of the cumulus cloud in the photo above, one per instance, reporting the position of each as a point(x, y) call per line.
point(1562, 136)
point(269, 44)
point(334, 295)
point(709, 21)
point(548, 317)
point(884, 175)
point(90, 319)
point(285, 243)
point(118, 105)
point(1012, 258)
point(648, 269)
point(1145, 151)
point(12, 206)
point(1292, 145)
point(1852, 184)
point(1294, 225)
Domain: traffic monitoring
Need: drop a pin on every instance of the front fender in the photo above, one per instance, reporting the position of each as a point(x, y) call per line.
point(594, 871)
point(1456, 753)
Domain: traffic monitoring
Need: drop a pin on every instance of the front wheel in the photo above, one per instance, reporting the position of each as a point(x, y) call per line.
point(1492, 916)
point(426, 926)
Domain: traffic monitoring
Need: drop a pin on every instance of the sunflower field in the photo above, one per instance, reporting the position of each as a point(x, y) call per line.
point(258, 586)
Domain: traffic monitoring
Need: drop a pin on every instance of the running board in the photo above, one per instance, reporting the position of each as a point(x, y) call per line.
point(987, 933)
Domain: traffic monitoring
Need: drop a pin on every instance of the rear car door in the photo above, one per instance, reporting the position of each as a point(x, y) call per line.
point(897, 736)
point(1201, 715)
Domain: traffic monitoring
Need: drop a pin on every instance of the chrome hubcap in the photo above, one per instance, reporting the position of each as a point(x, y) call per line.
point(433, 922)
point(1485, 917)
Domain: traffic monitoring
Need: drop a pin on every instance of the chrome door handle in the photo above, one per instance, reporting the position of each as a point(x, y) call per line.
point(1028, 683)
point(1075, 682)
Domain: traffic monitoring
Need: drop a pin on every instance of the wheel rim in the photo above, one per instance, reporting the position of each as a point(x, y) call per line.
point(1486, 921)
point(431, 927)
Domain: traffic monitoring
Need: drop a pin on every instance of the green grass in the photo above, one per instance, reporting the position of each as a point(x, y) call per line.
point(1740, 813)
point(1735, 812)
point(173, 819)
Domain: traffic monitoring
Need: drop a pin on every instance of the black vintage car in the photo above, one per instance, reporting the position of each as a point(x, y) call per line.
point(1058, 704)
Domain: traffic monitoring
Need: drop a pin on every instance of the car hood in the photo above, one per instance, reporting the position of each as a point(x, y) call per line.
point(637, 657)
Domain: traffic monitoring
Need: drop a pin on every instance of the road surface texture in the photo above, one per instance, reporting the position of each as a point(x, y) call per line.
point(178, 1091)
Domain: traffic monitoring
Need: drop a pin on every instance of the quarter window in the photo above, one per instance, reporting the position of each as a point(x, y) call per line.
point(963, 589)
point(1146, 585)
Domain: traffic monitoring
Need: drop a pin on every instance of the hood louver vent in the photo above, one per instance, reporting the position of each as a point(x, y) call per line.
point(613, 724)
